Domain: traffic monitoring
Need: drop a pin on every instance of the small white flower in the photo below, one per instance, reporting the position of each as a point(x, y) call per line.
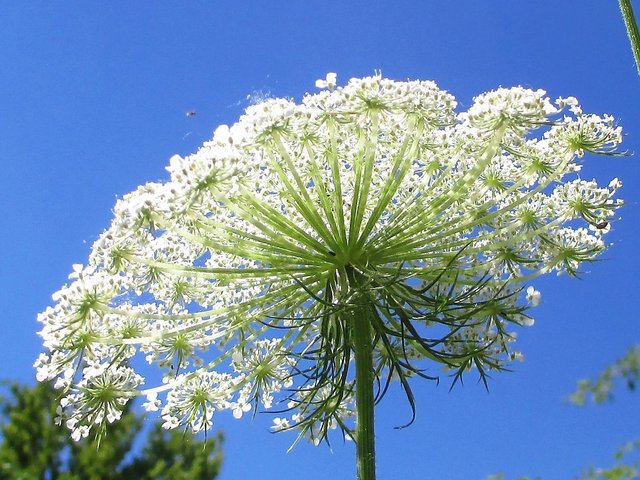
point(93, 369)
point(533, 296)
point(59, 418)
point(240, 409)
point(221, 134)
point(153, 403)
point(329, 82)
point(615, 183)
point(280, 424)
point(517, 356)
point(61, 383)
point(170, 422)
point(77, 270)
point(79, 433)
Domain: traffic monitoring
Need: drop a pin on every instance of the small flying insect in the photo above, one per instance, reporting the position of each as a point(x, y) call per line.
point(602, 225)
point(190, 114)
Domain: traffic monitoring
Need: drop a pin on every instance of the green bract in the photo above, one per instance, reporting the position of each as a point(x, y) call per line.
point(370, 224)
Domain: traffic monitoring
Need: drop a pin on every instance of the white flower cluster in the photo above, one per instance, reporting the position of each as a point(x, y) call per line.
point(238, 276)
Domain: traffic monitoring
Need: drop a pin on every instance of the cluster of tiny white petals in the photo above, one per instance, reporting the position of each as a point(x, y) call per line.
point(193, 401)
point(327, 420)
point(587, 133)
point(518, 106)
point(100, 396)
point(231, 283)
point(266, 367)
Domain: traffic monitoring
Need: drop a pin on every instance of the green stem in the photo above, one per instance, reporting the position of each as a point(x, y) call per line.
point(363, 349)
point(632, 30)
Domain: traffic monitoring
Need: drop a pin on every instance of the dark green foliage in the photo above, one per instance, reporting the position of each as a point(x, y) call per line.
point(33, 447)
point(600, 389)
point(173, 455)
point(31, 442)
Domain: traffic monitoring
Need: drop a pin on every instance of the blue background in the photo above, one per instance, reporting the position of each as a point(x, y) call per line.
point(93, 97)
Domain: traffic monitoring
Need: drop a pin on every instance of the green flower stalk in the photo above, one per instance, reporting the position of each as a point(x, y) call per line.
point(632, 29)
point(312, 255)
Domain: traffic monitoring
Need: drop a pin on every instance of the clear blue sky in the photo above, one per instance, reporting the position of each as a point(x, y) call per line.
point(93, 98)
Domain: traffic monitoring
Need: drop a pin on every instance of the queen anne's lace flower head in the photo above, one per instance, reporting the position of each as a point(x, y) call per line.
point(237, 277)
